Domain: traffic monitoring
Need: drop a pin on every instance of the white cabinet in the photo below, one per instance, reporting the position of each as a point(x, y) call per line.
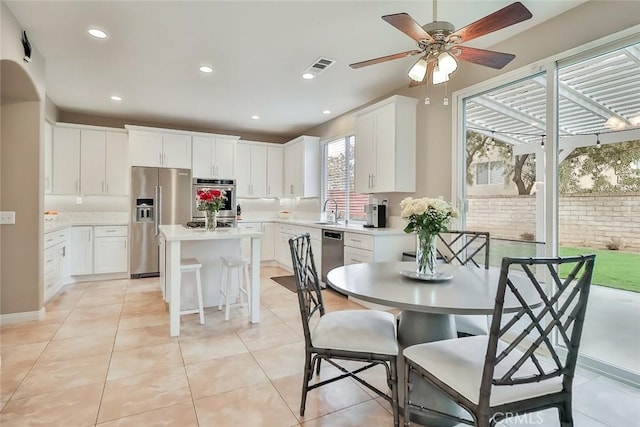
point(104, 163)
point(251, 167)
point(98, 250)
point(110, 253)
point(385, 150)
point(81, 250)
point(283, 252)
point(213, 157)
point(66, 160)
point(275, 171)
point(376, 248)
point(267, 248)
point(159, 149)
point(302, 167)
point(48, 161)
point(55, 257)
point(86, 160)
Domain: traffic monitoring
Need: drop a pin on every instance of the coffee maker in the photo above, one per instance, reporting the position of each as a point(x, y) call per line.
point(376, 215)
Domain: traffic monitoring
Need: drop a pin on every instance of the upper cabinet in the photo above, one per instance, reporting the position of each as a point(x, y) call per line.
point(386, 146)
point(104, 163)
point(259, 170)
point(158, 148)
point(214, 157)
point(86, 160)
point(65, 160)
point(302, 167)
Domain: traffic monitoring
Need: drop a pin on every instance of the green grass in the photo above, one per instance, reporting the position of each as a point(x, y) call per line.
point(613, 269)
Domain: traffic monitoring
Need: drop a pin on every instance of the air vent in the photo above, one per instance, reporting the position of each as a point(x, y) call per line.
point(319, 66)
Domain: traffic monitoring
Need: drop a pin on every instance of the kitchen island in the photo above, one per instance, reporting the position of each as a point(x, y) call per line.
point(179, 242)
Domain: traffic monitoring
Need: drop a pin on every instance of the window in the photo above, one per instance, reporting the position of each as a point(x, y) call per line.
point(489, 173)
point(338, 163)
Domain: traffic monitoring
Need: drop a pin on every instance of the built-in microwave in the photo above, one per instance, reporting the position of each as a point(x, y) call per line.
point(227, 187)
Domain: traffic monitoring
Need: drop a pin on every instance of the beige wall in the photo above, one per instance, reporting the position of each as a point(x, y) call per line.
point(585, 23)
point(21, 123)
point(119, 122)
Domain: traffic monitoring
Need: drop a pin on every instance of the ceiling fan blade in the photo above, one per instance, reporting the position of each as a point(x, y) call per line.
point(409, 26)
point(430, 66)
point(509, 15)
point(384, 58)
point(488, 58)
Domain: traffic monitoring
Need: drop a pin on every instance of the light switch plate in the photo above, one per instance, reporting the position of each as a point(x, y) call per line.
point(7, 217)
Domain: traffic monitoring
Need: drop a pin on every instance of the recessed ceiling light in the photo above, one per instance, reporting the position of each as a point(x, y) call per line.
point(206, 69)
point(307, 76)
point(326, 112)
point(255, 117)
point(115, 98)
point(96, 33)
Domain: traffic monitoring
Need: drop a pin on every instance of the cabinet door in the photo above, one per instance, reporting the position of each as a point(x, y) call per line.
point(267, 246)
point(203, 149)
point(294, 162)
point(92, 162)
point(48, 158)
point(384, 175)
point(145, 148)
point(81, 251)
point(243, 166)
point(258, 171)
point(365, 152)
point(66, 160)
point(176, 151)
point(275, 171)
point(224, 159)
point(110, 255)
point(117, 173)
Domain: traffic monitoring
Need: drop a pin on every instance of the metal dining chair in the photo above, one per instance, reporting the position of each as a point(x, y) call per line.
point(494, 379)
point(367, 336)
point(470, 248)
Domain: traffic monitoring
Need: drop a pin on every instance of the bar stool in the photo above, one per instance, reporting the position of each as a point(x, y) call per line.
point(241, 265)
point(193, 265)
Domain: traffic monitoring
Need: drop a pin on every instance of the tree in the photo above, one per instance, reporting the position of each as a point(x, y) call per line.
point(520, 170)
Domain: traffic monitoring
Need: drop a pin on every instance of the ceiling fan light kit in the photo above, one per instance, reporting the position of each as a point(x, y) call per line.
point(439, 43)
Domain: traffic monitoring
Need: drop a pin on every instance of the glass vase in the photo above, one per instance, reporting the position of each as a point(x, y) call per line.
point(211, 222)
point(426, 255)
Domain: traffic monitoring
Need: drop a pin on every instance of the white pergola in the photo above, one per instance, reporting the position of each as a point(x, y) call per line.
point(598, 100)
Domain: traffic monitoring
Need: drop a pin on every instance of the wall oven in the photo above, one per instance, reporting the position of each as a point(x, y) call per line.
point(227, 214)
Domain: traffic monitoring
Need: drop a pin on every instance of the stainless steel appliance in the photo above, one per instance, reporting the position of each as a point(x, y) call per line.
point(332, 252)
point(158, 196)
point(376, 215)
point(227, 214)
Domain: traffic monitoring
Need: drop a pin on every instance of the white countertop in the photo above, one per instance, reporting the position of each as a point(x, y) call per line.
point(354, 228)
point(69, 219)
point(180, 232)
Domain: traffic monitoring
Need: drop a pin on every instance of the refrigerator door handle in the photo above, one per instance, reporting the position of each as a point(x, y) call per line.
point(157, 218)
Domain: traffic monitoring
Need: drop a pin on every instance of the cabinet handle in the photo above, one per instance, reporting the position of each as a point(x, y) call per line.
point(64, 251)
point(103, 186)
point(373, 181)
point(213, 170)
point(356, 240)
point(125, 244)
point(110, 231)
point(77, 185)
point(291, 189)
point(268, 190)
point(160, 154)
point(107, 186)
point(164, 162)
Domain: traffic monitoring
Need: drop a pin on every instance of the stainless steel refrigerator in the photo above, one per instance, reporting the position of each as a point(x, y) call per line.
point(158, 196)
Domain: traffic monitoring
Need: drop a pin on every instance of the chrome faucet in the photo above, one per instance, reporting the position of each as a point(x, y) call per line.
point(335, 210)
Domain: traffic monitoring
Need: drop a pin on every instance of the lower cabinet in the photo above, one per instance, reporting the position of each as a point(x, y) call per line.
point(55, 261)
point(286, 232)
point(267, 241)
point(98, 249)
point(110, 253)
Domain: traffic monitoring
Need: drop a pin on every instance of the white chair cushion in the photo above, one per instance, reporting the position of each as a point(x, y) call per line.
point(369, 331)
point(459, 363)
point(189, 263)
point(234, 261)
point(472, 325)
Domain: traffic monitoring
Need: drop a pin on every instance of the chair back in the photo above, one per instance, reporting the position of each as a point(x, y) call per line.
point(307, 283)
point(464, 247)
point(561, 312)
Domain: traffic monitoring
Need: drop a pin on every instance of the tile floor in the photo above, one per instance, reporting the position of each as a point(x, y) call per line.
point(103, 356)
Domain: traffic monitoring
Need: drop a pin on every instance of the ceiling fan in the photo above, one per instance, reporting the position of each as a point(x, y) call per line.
point(439, 43)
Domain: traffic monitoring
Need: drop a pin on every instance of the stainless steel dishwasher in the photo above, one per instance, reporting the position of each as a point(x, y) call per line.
point(332, 251)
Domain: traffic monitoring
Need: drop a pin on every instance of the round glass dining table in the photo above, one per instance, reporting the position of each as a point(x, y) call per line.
point(428, 309)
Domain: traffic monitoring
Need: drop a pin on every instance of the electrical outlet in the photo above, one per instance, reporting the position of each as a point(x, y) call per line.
point(7, 217)
point(78, 200)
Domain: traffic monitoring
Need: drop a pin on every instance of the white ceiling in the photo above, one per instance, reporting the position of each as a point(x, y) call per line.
point(259, 50)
